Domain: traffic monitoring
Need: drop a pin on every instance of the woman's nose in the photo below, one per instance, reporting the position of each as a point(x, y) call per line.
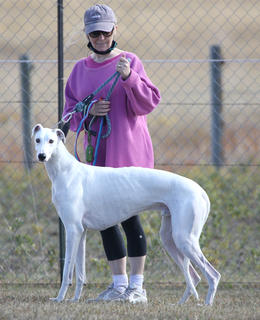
point(101, 36)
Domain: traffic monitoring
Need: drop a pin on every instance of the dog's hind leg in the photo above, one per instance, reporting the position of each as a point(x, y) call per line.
point(212, 275)
point(191, 276)
point(186, 232)
point(183, 263)
point(213, 280)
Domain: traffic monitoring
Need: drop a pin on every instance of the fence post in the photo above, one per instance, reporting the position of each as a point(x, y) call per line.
point(60, 109)
point(216, 106)
point(25, 70)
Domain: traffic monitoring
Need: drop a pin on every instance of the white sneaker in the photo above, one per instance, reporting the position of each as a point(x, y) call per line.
point(103, 294)
point(133, 295)
point(114, 294)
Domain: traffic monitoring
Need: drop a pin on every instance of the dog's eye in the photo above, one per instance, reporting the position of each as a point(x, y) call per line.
point(37, 140)
point(51, 141)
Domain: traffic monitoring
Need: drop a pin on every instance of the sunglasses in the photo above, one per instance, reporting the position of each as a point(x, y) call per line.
point(96, 34)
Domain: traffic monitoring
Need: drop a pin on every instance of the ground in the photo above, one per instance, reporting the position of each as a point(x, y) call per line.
point(233, 301)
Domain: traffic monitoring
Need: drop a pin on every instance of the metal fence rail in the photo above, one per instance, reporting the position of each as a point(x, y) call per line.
point(174, 39)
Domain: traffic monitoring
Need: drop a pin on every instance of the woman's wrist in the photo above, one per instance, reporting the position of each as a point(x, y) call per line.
point(125, 78)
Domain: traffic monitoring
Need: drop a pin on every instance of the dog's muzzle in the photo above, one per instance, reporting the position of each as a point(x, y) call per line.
point(41, 157)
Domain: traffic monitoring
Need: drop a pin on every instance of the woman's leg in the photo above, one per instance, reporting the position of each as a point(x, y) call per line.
point(113, 243)
point(136, 247)
point(115, 251)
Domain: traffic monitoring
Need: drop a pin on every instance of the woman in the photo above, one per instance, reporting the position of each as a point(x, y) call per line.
point(129, 143)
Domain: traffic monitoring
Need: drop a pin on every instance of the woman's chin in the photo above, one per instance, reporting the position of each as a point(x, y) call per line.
point(101, 48)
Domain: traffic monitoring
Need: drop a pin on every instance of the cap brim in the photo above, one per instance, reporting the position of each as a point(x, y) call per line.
point(99, 26)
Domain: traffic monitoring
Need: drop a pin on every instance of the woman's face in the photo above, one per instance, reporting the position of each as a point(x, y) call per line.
point(102, 41)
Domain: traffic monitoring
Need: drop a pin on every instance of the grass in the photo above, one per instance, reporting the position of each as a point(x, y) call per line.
point(233, 301)
point(29, 229)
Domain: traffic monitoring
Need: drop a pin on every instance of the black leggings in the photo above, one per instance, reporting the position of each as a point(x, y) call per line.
point(113, 241)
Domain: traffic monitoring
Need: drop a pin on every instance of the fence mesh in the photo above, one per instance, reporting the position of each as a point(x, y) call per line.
point(173, 39)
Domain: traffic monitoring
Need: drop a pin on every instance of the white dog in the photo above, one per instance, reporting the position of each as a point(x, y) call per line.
point(98, 198)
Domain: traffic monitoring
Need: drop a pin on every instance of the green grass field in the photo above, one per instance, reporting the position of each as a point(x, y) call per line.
point(233, 301)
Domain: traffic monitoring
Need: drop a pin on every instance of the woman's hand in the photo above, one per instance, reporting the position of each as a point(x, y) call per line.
point(100, 108)
point(123, 67)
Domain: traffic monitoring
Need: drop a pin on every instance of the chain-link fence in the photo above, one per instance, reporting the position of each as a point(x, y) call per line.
point(173, 39)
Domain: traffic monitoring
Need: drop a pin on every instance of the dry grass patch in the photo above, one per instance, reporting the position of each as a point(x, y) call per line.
point(233, 301)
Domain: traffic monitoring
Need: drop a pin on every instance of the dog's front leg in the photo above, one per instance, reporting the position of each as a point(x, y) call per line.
point(80, 268)
point(73, 236)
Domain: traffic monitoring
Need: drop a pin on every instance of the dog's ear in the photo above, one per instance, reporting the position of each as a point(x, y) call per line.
point(36, 128)
point(60, 135)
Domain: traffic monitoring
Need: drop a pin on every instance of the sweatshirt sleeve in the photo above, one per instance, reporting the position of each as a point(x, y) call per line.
point(70, 102)
point(142, 95)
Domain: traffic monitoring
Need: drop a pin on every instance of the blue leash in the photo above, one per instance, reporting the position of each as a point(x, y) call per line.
point(79, 128)
point(85, 105)
point(102, 120)
point(98, 140)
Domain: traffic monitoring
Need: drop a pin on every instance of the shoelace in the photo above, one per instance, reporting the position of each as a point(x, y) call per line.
point(128, 292)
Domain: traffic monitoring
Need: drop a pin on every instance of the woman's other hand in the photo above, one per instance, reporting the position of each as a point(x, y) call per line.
point(100, 108)
point(123, 67)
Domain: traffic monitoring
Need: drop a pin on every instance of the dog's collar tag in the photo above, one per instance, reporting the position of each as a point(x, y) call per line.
point(89, 150)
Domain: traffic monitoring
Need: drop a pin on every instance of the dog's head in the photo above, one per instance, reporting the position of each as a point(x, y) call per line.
point(46, 141)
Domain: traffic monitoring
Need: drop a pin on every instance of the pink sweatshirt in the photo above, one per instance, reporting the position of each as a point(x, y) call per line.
point(129, 143)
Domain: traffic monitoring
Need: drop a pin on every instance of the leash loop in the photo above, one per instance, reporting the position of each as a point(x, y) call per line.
point(116, 75)
point(79, 128)
point(84, 106)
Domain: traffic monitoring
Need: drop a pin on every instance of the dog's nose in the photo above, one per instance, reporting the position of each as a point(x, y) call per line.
point(41, 156)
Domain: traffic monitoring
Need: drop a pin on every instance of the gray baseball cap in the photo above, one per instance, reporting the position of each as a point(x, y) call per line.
point(99, 17)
